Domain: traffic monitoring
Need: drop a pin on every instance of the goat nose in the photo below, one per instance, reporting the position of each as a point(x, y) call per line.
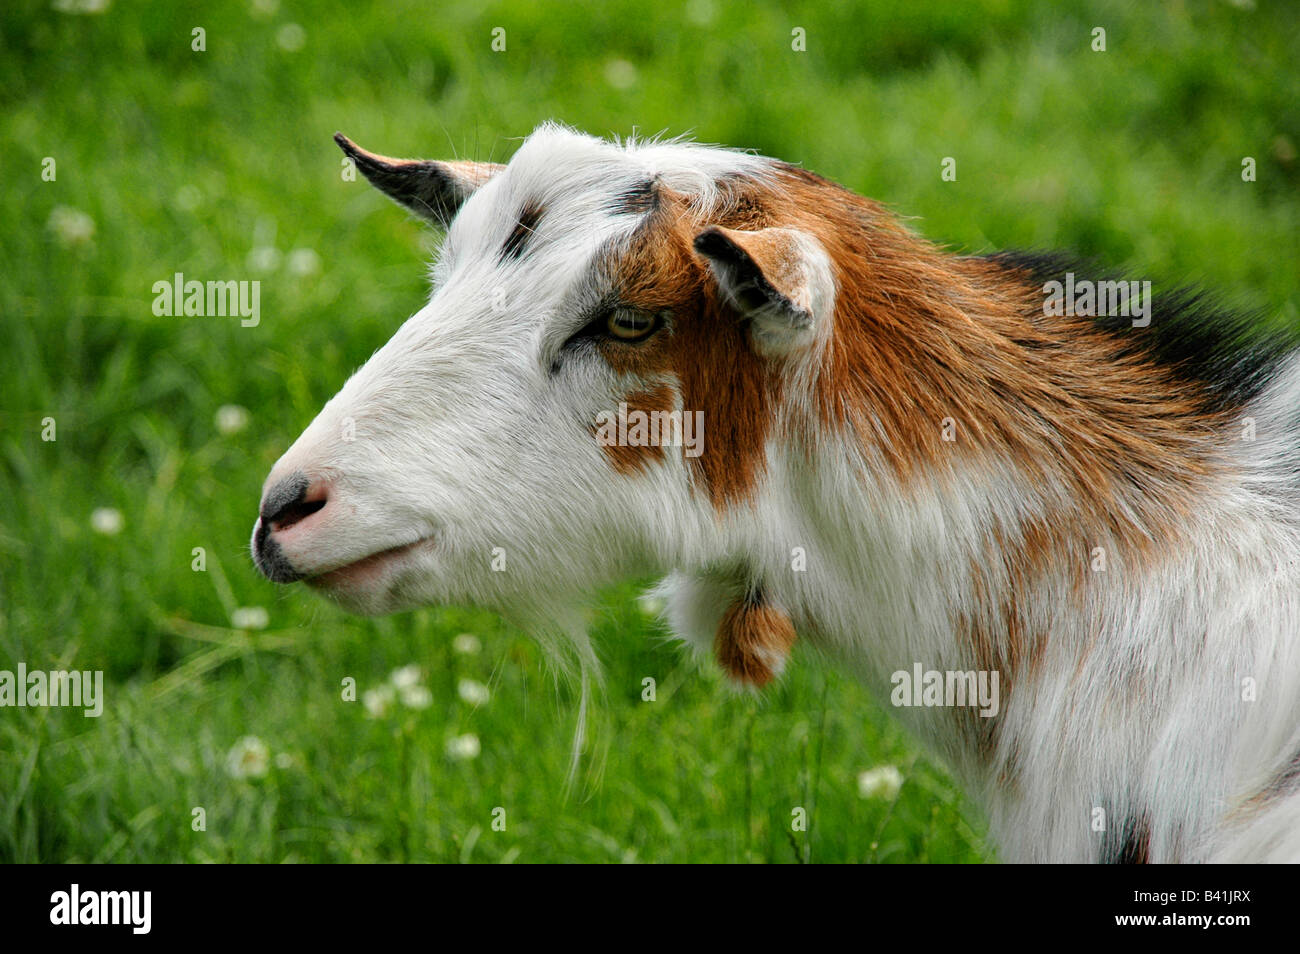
point(286, 503)
point(291, 500)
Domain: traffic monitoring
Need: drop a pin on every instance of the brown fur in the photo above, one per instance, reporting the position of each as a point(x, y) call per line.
point(920, 336)
point(631, 459)
point(707, 353)
point(753, 640)
point(1108, 443)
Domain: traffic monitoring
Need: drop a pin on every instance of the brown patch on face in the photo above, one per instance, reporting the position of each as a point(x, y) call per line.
point(639, 450)
point(706, 349)
point(753, 640)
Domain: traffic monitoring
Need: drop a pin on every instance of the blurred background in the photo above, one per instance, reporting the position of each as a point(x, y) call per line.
point(225, 693)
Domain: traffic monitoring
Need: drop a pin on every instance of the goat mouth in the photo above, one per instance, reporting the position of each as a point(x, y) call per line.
point(365, 569)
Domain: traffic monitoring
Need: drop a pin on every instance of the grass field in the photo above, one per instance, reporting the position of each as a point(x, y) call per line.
point(218, 164)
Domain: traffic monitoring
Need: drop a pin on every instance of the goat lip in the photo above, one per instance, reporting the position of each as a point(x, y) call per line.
point(358, 570)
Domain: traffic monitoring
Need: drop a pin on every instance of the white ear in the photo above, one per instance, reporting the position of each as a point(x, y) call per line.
point(432, 190)
point(780, 279)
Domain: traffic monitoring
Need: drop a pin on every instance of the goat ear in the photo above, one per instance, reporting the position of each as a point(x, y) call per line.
point(781, 279)
point(432, 190)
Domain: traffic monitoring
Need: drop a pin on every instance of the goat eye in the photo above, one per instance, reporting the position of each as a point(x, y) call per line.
point(627, 324)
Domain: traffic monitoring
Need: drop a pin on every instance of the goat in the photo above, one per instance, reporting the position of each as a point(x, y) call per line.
point(917, 461)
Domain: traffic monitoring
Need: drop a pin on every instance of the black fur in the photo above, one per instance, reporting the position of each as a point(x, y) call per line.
point(638, 200)
point(1227, 356)
point(525, 226)
point(1129, 843)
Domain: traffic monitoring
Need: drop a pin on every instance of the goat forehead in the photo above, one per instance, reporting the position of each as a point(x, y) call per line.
point(567, 167)
point(567, 202)
point(575, 185)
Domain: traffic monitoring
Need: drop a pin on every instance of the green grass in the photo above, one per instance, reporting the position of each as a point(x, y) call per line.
point(188, 161)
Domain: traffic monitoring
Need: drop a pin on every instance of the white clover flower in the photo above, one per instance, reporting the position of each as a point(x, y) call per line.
point(188, 198)
point(81, 6)
point(250, 617)
point(264, 258)
point(884, 781)
point(701, 12)
point(71, 226)
point(264, 8)
point(291, 37)
point(231, 418)
point(405, 677)
point(466, 644)
point(249, 758)
point(378, 701)
point(107, 520)
point(286, 760)
point(473, 692)
point(620, 74)
point(462, 748)
point(302, 261)
point(415, 697)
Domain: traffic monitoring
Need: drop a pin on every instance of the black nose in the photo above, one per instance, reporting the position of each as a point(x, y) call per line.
point(284, 505)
